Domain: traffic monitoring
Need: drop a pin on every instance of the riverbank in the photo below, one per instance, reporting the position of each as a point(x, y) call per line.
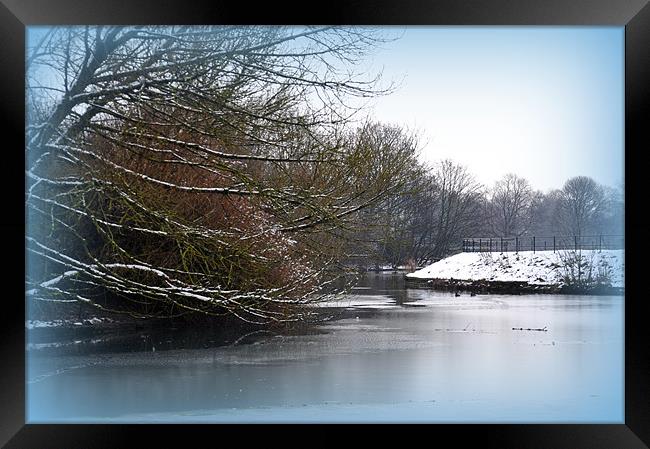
point(72, 323)
point(478, 273)
point(567, 272)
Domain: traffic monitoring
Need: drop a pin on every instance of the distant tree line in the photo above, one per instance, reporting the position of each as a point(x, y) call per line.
point(447, 204)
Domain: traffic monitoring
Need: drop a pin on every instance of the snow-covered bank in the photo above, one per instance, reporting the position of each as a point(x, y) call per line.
point(538, 268)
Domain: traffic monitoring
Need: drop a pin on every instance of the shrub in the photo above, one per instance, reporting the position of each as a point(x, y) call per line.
point(580, 271)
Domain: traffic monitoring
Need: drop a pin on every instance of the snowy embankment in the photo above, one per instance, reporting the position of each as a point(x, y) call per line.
point(541, 268)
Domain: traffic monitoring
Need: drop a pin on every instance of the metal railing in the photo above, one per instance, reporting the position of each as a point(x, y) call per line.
point(543, 243)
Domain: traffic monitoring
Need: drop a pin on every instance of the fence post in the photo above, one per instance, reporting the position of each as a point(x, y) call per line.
point(472, 245)
point(533, 244)
point(501, 244)
point(544, 245)
point(575, 242)
point(517, 245)
point(490, 245)
point(600, 243)
point(553, 243)
point(480, 245)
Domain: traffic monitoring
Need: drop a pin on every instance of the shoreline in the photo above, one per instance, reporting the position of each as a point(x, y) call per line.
point(508, 287)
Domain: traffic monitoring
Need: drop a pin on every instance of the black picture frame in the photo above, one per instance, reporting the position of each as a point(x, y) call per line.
point(15, 15)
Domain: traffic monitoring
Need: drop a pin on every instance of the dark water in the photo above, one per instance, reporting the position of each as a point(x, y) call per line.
point(390, 355)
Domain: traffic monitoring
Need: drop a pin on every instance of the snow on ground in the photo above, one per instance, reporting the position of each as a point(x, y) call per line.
point(32, 324)
point(540, 267)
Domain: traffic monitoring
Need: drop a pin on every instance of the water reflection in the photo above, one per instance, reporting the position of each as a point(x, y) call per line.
point(394, 355)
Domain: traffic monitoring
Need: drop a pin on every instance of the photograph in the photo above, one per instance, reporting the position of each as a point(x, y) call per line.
point(325, 224)
point(357, 220)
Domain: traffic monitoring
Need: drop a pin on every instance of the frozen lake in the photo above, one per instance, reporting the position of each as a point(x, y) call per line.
point(393, 355)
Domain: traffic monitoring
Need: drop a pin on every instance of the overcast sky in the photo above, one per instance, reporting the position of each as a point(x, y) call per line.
point(546, 103)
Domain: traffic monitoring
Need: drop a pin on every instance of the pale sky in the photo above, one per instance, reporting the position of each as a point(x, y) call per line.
point(545, 103)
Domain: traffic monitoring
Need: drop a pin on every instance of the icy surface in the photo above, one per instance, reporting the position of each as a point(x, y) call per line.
point(415, 356)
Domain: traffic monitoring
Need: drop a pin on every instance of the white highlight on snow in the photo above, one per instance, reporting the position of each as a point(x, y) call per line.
point(34, 324)
point(540, 267)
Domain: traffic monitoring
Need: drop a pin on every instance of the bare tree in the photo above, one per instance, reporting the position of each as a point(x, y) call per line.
point(510, 202)
point(402, 228)
point(612, 219)
point(582, 203)
point(383, 231)
point(457, 211)
point(543, 214)
point(183, 169)
point(443, 205)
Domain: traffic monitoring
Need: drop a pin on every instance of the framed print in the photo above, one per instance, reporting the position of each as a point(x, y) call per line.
point(416, 217)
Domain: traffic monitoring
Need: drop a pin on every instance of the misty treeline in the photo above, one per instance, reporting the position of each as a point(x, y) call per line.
point(186, 170)
point(450, 204)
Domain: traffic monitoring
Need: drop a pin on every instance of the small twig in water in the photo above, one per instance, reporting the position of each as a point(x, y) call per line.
point(543, 329)
point(236, 342)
